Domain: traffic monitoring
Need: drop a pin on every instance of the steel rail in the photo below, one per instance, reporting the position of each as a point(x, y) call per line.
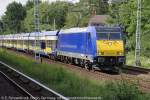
point(36, 82)
point(136, 69)
point(17, 85)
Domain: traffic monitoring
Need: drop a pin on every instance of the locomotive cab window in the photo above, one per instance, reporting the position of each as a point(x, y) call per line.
point(109, 36)
point(109, 33)
point(115, 36)
point(102, 36)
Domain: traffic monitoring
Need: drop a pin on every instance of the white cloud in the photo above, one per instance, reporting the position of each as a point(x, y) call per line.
point(4, 3)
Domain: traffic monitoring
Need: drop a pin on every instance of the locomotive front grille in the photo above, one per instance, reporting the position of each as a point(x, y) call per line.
point(110, 60)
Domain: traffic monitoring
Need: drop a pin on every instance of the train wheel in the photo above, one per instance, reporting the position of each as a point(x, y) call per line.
point(67, 60)
point(71, 61)
point(86, 65)
point(90, 66)
point(119, 71)
point(81, 63)
point(64, 59)
point(93, 67)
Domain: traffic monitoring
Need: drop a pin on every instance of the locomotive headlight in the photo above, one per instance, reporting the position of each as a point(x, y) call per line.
point(119, 53)
point(101, 53)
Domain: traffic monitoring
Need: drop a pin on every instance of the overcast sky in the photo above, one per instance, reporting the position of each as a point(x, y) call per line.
point(4, 3)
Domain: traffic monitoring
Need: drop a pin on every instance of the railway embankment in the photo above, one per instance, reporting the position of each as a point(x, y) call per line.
point(71, 85)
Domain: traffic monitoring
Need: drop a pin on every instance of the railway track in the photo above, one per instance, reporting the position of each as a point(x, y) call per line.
point(136, 69)
point(30, 87)
point(11, 88)
point(126, 69)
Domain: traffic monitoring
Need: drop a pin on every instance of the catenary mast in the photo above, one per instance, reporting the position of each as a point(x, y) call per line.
point(138, 34)
point(36, 26)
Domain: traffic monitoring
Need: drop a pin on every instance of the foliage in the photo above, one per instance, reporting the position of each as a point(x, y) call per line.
point(69, 84)
point(1, 26)
point(145, 61)
point(28, 21)
point(57, 11)
point(29, 4)
point(79, 13)
point(63, 14)
point(13, 17)
point(48, 13)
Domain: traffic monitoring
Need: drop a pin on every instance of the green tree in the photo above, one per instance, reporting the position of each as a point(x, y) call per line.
point(14, 16)
point(1, 26)
point(58, 11)
point(80, 13)
point(48, 12)
point(29, 4)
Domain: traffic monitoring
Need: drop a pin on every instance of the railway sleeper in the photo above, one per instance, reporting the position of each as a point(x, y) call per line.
point(9, 71)
point(24, 80)
point(16, 75)
point(35, 87)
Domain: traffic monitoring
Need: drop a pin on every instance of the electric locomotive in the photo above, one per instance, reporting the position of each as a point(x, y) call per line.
point(110, 47)
point(92, 47)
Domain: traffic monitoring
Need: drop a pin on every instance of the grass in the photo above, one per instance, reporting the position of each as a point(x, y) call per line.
point(145, 61)
point(71, 85)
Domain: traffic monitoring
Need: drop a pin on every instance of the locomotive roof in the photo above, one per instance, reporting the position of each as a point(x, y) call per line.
point(87, 29)
point(74, 30)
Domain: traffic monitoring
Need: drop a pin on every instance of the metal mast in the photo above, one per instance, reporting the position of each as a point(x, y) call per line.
point(36, 26)
point(138, 33)
point(54, 24)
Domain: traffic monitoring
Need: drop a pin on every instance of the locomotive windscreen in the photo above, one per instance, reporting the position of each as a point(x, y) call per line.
point(108, 29)
point(108, 33)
